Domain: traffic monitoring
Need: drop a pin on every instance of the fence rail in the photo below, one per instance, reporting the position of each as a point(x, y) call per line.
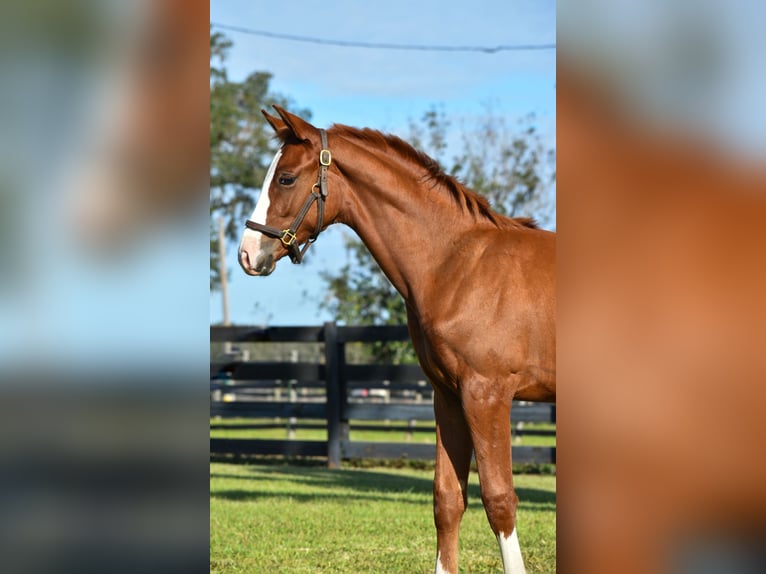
point(328, 384)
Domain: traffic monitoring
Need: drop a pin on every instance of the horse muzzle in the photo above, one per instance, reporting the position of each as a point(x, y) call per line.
point(259, 260)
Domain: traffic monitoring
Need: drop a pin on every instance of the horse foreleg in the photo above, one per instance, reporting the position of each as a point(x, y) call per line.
point(453, 462)
point(487, 410)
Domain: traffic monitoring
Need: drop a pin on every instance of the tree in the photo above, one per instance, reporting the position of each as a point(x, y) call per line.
point(241, 144)
point(513, 169)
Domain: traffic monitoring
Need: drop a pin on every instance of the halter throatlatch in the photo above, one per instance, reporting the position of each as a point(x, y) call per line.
point(288, 236)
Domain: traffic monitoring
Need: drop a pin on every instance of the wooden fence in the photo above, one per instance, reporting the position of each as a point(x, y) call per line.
point(333, 380)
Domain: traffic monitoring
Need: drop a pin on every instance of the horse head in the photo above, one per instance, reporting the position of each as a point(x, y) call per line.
point(286, 220)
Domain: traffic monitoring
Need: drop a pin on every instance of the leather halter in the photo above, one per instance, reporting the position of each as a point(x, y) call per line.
point(288, 236)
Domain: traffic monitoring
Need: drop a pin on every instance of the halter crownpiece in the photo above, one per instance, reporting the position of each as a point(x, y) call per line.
point(288, 236)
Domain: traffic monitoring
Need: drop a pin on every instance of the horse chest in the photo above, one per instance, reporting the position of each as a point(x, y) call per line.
point(439, 356)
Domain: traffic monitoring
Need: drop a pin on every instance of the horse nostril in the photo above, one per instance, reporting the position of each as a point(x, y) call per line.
point(263, 264)
point(244, 260)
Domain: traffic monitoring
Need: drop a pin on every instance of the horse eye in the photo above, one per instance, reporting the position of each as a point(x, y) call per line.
point(286, 180)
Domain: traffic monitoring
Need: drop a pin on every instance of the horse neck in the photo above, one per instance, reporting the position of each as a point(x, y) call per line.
point(408, 223)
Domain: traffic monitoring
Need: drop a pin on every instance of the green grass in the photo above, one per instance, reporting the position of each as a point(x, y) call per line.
point(304, 519)
point(397, 435)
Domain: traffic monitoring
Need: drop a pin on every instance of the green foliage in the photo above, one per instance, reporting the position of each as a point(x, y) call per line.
point(512, 168)
point(241, 144)
point(362, 295)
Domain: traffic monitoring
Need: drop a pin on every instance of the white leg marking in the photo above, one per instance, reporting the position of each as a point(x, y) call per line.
point(511, 553)
point(261, 209)
point(440, 569)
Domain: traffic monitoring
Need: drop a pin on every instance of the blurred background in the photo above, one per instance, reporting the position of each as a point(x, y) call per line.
point(104, 175)
point(661, 207)
point(103, 320)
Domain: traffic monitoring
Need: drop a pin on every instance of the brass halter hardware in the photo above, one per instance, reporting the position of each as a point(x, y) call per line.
point(288, 236)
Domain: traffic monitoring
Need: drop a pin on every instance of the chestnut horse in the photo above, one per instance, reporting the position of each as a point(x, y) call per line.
point(479, 290)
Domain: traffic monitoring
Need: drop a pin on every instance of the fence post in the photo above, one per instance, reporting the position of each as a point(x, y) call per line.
point(292, 397)
point(332, 384)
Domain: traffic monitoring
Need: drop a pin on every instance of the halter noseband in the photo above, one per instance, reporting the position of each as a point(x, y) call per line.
point(288, 236)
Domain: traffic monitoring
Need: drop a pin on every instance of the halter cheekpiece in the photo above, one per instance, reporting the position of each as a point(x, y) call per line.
point(288, 236)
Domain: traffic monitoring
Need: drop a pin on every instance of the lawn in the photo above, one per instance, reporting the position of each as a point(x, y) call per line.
point(275, 518)
point(423, 431)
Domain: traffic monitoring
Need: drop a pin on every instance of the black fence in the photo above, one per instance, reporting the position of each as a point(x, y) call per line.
point(336, 392)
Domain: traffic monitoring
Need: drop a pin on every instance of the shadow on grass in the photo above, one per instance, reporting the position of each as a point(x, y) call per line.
point(349, 485)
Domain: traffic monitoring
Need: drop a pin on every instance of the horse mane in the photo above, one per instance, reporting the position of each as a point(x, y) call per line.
point(466, 198)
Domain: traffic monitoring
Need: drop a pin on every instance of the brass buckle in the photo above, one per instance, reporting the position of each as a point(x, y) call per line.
point(325, 157)
point(287, 238)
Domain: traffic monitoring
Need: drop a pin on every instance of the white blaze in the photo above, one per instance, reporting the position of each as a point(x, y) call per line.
point(511, 553)
point(262, 207)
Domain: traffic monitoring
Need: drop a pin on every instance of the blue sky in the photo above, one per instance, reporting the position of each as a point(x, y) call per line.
point(382, 89)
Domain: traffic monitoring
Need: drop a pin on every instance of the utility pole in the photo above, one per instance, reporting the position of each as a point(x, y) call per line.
point(224, 278)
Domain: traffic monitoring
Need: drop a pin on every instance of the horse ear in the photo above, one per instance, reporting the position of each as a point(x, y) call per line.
point(278, 125)
point(300, 128)
point(274, 121)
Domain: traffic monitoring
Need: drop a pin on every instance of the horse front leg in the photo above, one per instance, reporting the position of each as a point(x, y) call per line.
point(487, 408)
point(453, 462)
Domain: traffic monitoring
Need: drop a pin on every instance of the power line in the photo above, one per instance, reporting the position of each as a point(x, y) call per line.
point(384, 45)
